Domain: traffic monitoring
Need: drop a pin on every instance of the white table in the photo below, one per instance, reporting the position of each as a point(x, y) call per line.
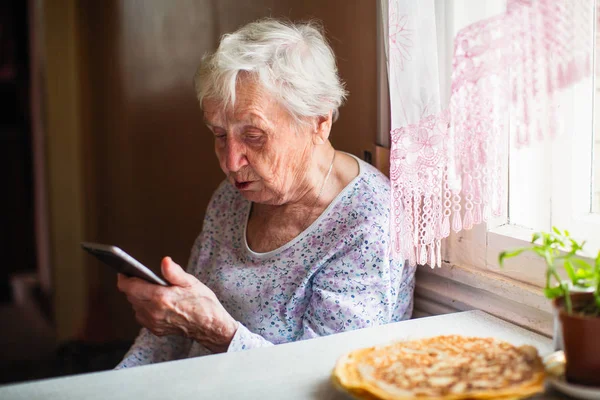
point(290, 371)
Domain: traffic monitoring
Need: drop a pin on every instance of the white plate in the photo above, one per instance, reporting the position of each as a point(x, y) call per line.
point(555, 367)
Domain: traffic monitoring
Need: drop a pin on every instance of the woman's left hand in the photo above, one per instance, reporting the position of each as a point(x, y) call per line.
point(186, 308)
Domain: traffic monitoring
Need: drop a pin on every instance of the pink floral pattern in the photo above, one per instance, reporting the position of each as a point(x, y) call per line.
point(446, 168)
point(416, 156)
point(400, 38)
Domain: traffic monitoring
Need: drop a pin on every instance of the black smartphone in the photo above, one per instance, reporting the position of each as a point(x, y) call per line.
point(122, 262)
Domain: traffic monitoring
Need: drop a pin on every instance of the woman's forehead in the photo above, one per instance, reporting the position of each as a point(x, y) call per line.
point(239, 114)
point(252, 104)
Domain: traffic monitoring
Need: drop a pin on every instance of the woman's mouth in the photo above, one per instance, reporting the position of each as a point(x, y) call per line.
point(242, 185)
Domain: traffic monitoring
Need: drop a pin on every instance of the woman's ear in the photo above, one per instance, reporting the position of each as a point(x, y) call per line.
point(323, 128)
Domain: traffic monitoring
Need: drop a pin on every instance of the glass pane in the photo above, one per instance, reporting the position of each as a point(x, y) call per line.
point(596, 161)
point(596, 149)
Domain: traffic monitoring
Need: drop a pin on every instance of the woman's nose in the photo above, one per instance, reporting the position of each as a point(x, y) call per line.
point(236, 156)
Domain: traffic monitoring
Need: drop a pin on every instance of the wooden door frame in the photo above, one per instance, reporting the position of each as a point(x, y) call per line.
point(58, 145)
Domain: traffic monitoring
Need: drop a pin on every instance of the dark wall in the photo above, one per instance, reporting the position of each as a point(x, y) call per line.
point(16, 199)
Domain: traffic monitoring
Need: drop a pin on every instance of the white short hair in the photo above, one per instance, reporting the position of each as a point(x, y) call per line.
point(293, 62)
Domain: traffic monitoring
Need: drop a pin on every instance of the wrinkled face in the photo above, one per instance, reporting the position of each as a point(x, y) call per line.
point(262, 151)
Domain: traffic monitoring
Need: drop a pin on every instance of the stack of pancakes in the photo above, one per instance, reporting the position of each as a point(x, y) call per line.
point(443, 367)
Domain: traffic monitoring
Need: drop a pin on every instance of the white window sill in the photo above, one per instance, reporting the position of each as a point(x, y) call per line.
point(527, 267)
point(470, 278)
point(454, 288)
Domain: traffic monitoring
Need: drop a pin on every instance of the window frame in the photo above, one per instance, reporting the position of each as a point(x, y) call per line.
point(470, 276)
point(562, 188)
point(573, 184)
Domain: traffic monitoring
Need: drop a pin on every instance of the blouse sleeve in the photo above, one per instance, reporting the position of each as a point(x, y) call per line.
point(357, 288)
point(149, 349)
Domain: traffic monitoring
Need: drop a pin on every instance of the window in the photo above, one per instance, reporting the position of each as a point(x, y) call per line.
point(596, 159)
point(557, 183)
point(550, 183)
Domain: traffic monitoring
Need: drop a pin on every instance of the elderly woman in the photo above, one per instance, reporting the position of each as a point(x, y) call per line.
point(295, 242)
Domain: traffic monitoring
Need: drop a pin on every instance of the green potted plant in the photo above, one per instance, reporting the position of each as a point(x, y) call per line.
point(576, 300)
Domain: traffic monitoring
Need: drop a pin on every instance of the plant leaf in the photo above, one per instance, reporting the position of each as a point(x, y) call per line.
point(509, 254)
point(582, 264)
point(583, 274)
point(554, 292)
point(574, 245)
point(540, 251)
point(568, 266)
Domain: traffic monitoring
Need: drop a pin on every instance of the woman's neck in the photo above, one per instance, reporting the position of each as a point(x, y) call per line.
point(311, 182)
point(270, 227)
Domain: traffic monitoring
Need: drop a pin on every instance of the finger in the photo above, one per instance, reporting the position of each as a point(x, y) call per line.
point(136, 288)
point(134, 301)
point(120, 282)
point(175, 274)
point(124, 282)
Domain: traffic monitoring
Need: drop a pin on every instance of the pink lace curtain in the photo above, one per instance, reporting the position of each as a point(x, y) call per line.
point(448, 156)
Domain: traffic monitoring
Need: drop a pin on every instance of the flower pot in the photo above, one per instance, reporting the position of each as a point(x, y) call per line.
point(581, 338)
point(557, 336)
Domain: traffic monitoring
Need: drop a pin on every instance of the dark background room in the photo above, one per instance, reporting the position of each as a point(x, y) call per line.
point(101, 139)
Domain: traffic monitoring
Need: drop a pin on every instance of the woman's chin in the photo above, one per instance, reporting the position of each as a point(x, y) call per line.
point(259, 197)
point(253, 196)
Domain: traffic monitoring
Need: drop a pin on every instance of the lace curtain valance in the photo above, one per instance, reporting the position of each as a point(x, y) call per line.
point(448, 154)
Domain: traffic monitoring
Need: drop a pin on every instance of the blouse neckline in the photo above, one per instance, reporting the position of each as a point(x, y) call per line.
point(310, 228)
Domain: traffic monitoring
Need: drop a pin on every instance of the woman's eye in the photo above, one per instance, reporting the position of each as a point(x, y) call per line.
point(253, 137)
point(219, 134)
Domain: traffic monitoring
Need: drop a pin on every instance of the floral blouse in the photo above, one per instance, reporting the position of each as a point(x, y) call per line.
point(335, 276)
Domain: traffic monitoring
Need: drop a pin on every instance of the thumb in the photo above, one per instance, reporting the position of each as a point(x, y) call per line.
point(174, 274)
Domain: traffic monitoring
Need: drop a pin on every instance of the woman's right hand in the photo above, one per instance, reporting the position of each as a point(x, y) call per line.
point(187, 308)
